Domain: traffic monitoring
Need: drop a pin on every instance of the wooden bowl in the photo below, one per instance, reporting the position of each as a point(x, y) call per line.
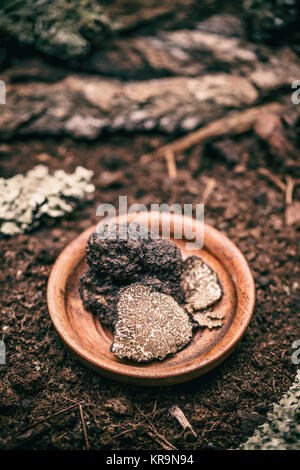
point(90, 341)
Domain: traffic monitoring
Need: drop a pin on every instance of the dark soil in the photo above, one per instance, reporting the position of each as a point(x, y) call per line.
point(41, 377)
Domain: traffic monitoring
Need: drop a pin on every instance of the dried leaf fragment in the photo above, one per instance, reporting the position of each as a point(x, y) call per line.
point(179, 415)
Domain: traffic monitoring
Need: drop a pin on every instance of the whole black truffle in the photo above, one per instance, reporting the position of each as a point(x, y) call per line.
point(113, 256)
point(167, 286)
point(99, 296)
point(162, 258)
point(118, 257)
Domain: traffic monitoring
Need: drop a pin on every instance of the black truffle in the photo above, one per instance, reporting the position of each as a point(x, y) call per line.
point(101, 297)
point(162, 258)
point(150, 325)
point(109, 252)
point(116, 260)
point(109, 255)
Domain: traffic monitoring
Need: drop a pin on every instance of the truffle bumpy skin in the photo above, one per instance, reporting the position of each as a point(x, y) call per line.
point(99, 297)
point(162, 258)
point(122, 260)
point(113, 257)
point(150, 325)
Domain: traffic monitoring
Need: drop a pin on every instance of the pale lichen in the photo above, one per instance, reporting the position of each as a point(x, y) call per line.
point(25, 199)
point(281, 431)
point(61, 28)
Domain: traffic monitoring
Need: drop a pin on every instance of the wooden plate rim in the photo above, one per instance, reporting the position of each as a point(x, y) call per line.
point(216, 243)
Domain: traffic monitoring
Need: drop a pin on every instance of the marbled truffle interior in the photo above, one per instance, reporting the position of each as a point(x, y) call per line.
point(202, 290)
point(150, 325)
point(200, 284)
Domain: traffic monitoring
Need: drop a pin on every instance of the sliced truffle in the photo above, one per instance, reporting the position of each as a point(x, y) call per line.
point(200, 284)
point(112, 254)
point(207, 318)
point(101, 297)
point(150, 325)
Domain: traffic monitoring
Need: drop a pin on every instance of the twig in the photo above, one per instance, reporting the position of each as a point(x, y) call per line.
point(160, 436)
point(273, 178)
point(22, 322)
point(290, 184)
point(291, 208)
point(233, 123)
point(160, 442)
point(153, 414)
point(171, 164)
point(42, 420)
point(84, 427)
point(133, 428)
point(210, 186)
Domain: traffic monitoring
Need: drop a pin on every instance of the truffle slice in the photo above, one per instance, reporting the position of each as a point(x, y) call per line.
point(101, 297)
point(149, 325)
point(200, 284)
point(207, 318)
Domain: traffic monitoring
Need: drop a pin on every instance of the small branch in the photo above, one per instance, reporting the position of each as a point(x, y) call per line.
point(22, 322)
point(133, 428)
point(171, 164)
point(210, 186)
point(292, 209)
point(161, 442)
point(273, 178)
point(47, 418)
point(154, 430)
point(83, 427)
point(290, 184)
point(233, 123)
